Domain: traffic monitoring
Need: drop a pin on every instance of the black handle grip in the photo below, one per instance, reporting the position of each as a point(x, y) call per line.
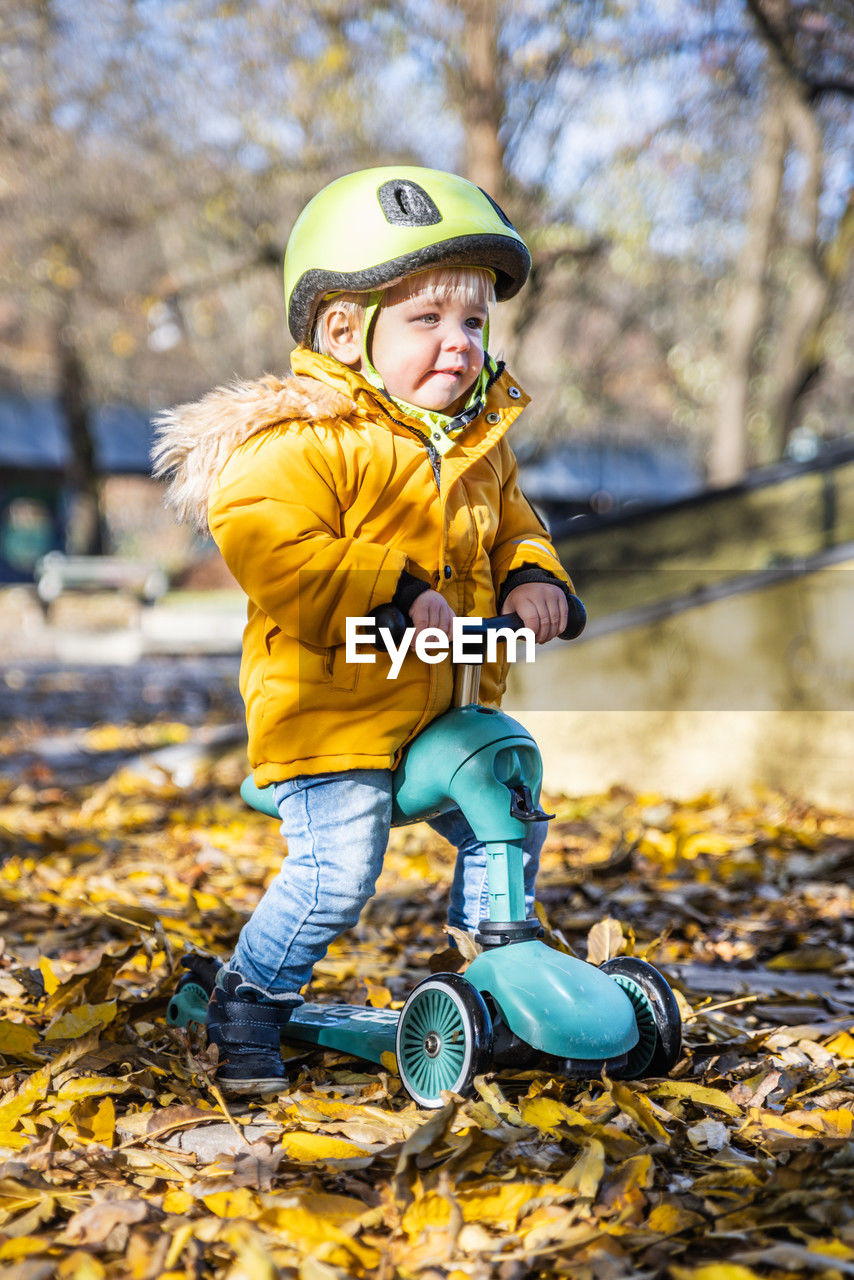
point(390, 617)
point(577, 620)
point(575, 623)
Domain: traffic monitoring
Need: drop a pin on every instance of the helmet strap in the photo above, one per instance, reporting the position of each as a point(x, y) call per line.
point(372, 306)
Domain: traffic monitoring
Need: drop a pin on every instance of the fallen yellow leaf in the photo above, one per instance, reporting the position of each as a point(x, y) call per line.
point(698, 1093)
point(548, 1114)
point(21, 1247)
point(239, 1203)
point(705, 842)
point(604, 940)
point(178, 1200)
point(78, 1022)
point(316, 1222)
point(842, 1045)
point(180, 1238)
point(789, 1131)
point(95, 1120)
point(637, 1171)
point(33, 1090)
point(13, 1140)
point(308, 1147)
point(835, 1123)
point(79, 1087)
point(361, 1124)
point(546, 1223)
point(16, 1038)
point(807, 960)
point(49, 975)
point(80, 1265)
point(669, 1219)
point(658, 846)
point(254, 1262)
point(638, 1108)
point(586, 1174)
point(714, 1271)
point(501, 1204)
point(379, 996)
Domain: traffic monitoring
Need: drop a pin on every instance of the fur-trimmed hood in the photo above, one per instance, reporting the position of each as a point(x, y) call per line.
point(194, 440)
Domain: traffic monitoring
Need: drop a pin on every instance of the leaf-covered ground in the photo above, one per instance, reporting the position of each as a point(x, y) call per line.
point(121, 1159)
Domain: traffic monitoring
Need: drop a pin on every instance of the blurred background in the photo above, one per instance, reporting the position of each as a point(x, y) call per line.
point(682, 170)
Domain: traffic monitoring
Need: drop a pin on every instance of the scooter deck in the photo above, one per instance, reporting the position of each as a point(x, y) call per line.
point(361, 1031)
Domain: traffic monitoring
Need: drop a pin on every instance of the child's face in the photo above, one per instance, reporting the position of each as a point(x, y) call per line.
point(428, 349)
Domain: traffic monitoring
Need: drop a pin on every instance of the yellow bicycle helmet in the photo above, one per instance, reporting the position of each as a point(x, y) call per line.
point(369, 229)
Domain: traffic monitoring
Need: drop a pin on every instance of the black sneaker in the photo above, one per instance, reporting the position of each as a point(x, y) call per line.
point(247, 1032)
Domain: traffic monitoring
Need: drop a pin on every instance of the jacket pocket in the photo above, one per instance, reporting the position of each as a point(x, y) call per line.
point(340, 673)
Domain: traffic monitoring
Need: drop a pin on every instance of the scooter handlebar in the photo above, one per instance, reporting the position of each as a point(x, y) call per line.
point(388, 616)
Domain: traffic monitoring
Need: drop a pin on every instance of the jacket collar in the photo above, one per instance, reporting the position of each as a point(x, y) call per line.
point(310, 364)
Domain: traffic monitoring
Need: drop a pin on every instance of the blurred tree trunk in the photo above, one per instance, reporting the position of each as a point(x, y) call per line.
point(800, 348)
point(813, 276)
point(89, 529)
point(480, 99)
point(728, 456)
point(761, 394)
point(477, 79)
point(808, 287)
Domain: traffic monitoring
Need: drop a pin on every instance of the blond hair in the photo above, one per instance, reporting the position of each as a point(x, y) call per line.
point(472, 286)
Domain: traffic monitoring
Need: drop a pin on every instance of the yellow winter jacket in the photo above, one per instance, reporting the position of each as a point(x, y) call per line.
point(318, 499)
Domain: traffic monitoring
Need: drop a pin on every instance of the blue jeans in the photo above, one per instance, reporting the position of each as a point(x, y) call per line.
point(337, 827)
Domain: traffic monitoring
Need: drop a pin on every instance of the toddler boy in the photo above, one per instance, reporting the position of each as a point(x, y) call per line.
point(379, 472)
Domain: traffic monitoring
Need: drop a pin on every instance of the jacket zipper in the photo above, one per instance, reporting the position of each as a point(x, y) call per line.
point(435, 460)
point(435, 463)
point(432, 453)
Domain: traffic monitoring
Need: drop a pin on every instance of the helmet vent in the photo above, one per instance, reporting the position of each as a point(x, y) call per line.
point(405, 204)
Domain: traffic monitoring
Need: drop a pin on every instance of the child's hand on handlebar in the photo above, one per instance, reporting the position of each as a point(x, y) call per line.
point(541, 607)
point(431, 610)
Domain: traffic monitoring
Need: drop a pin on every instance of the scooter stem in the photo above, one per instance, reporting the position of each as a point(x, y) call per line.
point(466, 684)
point(505, 880)
point(504, 866)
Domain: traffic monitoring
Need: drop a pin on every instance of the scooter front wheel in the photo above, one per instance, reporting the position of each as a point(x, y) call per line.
point(189, 1003)
point(657, 1014)
point(444, 1038)
point(193, 991)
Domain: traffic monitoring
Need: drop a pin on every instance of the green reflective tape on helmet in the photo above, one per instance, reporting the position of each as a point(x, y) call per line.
point(369, 229)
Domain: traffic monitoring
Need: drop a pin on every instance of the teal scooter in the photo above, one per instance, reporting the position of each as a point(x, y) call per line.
point(520, 1002)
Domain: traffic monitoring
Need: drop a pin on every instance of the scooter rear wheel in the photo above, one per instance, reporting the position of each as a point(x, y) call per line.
point(444, 1038)
point(660, 1044)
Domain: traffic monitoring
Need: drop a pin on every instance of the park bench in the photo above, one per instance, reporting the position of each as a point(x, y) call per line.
point(57, 572)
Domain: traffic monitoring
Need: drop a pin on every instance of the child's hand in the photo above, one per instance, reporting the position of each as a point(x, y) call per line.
point(541, 607)
point(431, 610)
